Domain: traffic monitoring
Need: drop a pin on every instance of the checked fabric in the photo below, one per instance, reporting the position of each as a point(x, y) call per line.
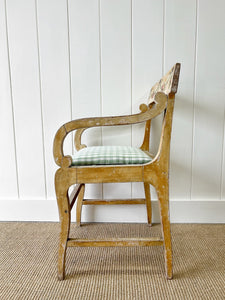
point(110, 155)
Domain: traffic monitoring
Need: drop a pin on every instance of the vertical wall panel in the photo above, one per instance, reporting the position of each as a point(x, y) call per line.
point(85, 69)
point(63, 59)
point(85, 59)
point(180, 47)
point(8, 180)
point(55, 80)
point(116, 76)
point(147, 44)
point(209, 102)
point(221, 86)
point(223, 168)
point(26, 97)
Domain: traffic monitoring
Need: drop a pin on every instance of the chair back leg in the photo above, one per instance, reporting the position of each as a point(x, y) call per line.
point(148, 203)
point(163, 197)
point(79, 204)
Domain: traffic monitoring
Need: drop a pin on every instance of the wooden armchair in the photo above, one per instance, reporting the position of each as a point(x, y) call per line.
point(118, 164)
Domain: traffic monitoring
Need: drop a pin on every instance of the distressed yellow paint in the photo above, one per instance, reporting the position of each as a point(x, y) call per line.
point(156, 172)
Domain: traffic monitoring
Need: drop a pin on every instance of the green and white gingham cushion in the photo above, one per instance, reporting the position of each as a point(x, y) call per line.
point(109, 155)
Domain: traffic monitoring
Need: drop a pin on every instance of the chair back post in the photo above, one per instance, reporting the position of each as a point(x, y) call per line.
point(164, 146)
point(168, 85)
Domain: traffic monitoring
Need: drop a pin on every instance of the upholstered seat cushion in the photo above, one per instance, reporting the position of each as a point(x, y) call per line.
point(110, 155)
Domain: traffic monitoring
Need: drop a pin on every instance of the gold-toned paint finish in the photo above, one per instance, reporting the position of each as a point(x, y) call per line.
point(109, 174)
point(77, 139)
point(114, 201)
point(125, 242)
point(63, 131)
point(79, 204)
point(148, 202)
point(74, 194)
point(156, 172)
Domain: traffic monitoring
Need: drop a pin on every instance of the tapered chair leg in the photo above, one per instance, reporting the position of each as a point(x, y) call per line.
point(163, 196)
point(148, 202)
point(65, 219)
point(64, 234)
point(79, 204)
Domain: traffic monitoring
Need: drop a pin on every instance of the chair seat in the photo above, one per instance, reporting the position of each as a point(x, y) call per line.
point(110, 155)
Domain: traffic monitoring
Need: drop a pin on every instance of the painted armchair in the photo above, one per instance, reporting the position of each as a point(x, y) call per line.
point(118, 164)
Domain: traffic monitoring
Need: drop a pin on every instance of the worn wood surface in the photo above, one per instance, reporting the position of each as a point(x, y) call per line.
point(63, 131)
point(79, 204)
point(113, 201)
point(118, 242)
point(97, 174)
point(148, 202)
point(156, 172)
point(74, 194)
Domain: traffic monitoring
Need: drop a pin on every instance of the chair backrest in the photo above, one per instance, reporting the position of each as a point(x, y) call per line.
point(167, 84)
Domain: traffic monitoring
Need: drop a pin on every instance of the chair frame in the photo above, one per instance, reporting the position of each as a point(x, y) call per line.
point(156, 173)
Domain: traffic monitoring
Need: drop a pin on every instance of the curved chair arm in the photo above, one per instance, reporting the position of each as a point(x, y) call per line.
point(77, 140)
point(161, 103)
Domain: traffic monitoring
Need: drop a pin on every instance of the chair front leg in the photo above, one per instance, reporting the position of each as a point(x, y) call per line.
point(65, 219)
point(163, 197)
point(64, 234)
point(148, 202)
point(79, 204)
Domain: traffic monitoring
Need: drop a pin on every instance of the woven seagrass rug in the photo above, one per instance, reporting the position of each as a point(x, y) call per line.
point(28, 263)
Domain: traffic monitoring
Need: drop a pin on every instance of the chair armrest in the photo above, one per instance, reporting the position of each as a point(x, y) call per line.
point(160, 105)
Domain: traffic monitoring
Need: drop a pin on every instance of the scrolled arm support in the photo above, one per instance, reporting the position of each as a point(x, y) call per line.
point(161, 103)
point(77, 139)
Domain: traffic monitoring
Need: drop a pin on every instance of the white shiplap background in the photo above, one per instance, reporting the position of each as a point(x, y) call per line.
point(61, 60)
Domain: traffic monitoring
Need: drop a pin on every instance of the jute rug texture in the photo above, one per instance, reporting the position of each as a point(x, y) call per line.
point(28, 263)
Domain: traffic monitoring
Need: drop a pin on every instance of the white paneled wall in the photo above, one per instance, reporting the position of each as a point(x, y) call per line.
point(208, 140)
point(116, 86)
point(54, 70)
point(84, 53)
point(66, 59)
point(180, 44)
